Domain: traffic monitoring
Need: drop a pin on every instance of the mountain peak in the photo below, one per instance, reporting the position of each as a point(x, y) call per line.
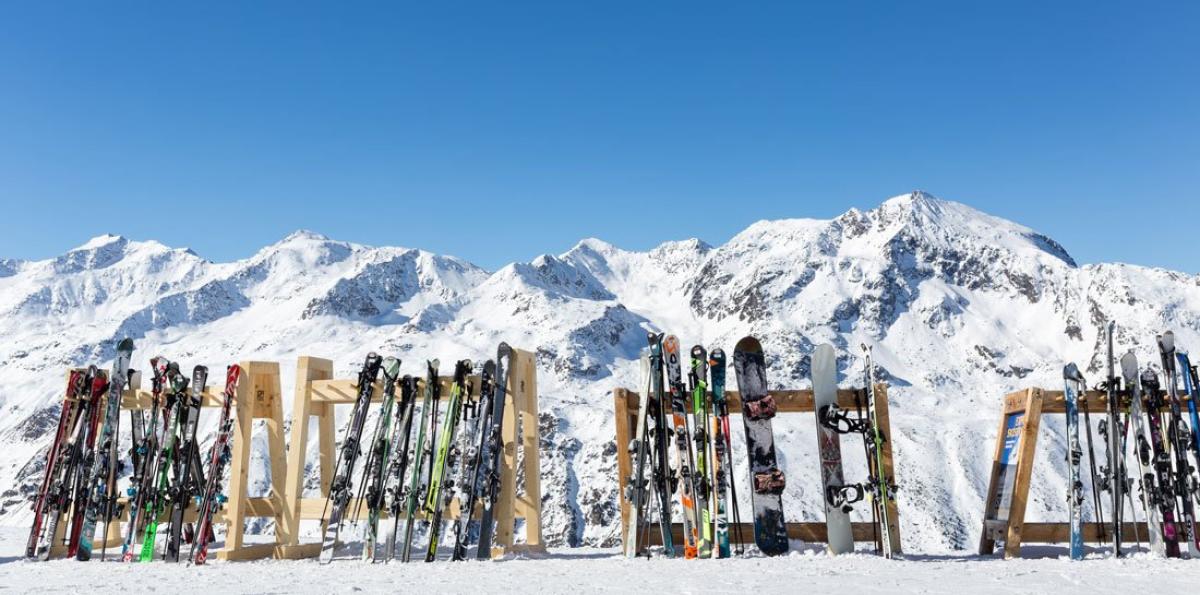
point(305, 234)
point(100, 241)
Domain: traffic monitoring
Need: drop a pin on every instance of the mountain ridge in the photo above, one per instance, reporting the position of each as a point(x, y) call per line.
point(961, 306)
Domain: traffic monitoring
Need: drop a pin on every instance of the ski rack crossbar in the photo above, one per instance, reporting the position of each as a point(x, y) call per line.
point(1012, 474)
point(258, 397)
point(627, 403)
point(318, 394)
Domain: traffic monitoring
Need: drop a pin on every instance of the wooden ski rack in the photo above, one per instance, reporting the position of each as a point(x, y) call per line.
point(1012, 472)
point(258, 397)
point(318, 395)
point(627, 403)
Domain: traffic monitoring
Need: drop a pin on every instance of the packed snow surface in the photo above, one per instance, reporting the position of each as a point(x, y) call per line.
point(962, 308)
point(595, 570)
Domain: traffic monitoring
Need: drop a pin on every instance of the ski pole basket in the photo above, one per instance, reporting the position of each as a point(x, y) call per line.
point(318, 394)
point(627, 403)
point(1012, 473)
point(258, 397)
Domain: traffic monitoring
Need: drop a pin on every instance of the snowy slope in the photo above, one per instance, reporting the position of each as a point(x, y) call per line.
point(962, 307)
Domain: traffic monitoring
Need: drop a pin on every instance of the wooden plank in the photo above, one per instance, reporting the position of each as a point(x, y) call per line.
point(256, 551)
point(786, 401)
point(529, 503)
point(268, 399)
point(621, 398)
point(307, 370)
point(885, 455)
point(1061, 532)
point(1025, 459)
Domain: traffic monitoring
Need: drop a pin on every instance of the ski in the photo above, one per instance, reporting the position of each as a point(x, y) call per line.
point(698, 381)
point(1129, 371)
point(636, 482)
point(725, 491)
point(688, 486)
point(469, 481)
point(1074, 384)
point(377, 458)
point(211, 499)
point(662, 474)
point(835, 490)
point(415, 493)
point(446, 458)
point(81, 476)
point(165, 462)
point(398, 465)
point(1116, 465)
point(1191, 383)
point(187, 474)
point(767, 481)
point(493, 447)
point(103, 472)
point(143, 453)
point(1163, 495)
point(883, 489)
point(341, 488)
point(1179, 439)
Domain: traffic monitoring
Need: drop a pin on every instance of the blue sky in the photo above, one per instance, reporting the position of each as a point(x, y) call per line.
point(499, 131)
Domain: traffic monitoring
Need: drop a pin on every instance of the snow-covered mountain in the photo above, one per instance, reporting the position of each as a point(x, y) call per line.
point(962, 307)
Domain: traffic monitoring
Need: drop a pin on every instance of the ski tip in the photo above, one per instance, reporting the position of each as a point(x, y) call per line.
point(1071, 372)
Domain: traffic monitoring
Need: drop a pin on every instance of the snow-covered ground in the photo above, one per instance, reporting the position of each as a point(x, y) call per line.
point(592, 570)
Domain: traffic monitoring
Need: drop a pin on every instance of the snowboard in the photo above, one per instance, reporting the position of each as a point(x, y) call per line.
point(767, 481)
point(837, 508)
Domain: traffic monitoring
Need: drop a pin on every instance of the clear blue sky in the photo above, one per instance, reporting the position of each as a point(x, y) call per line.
point(499, 131)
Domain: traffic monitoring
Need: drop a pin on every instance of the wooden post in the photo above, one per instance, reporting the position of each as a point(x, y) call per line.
point(308, 369)
point(258, 397)
point(885, 455)
point(626, 404)
point(522, 386)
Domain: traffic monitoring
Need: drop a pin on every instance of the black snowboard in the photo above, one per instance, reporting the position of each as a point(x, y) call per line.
point(767, 482)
